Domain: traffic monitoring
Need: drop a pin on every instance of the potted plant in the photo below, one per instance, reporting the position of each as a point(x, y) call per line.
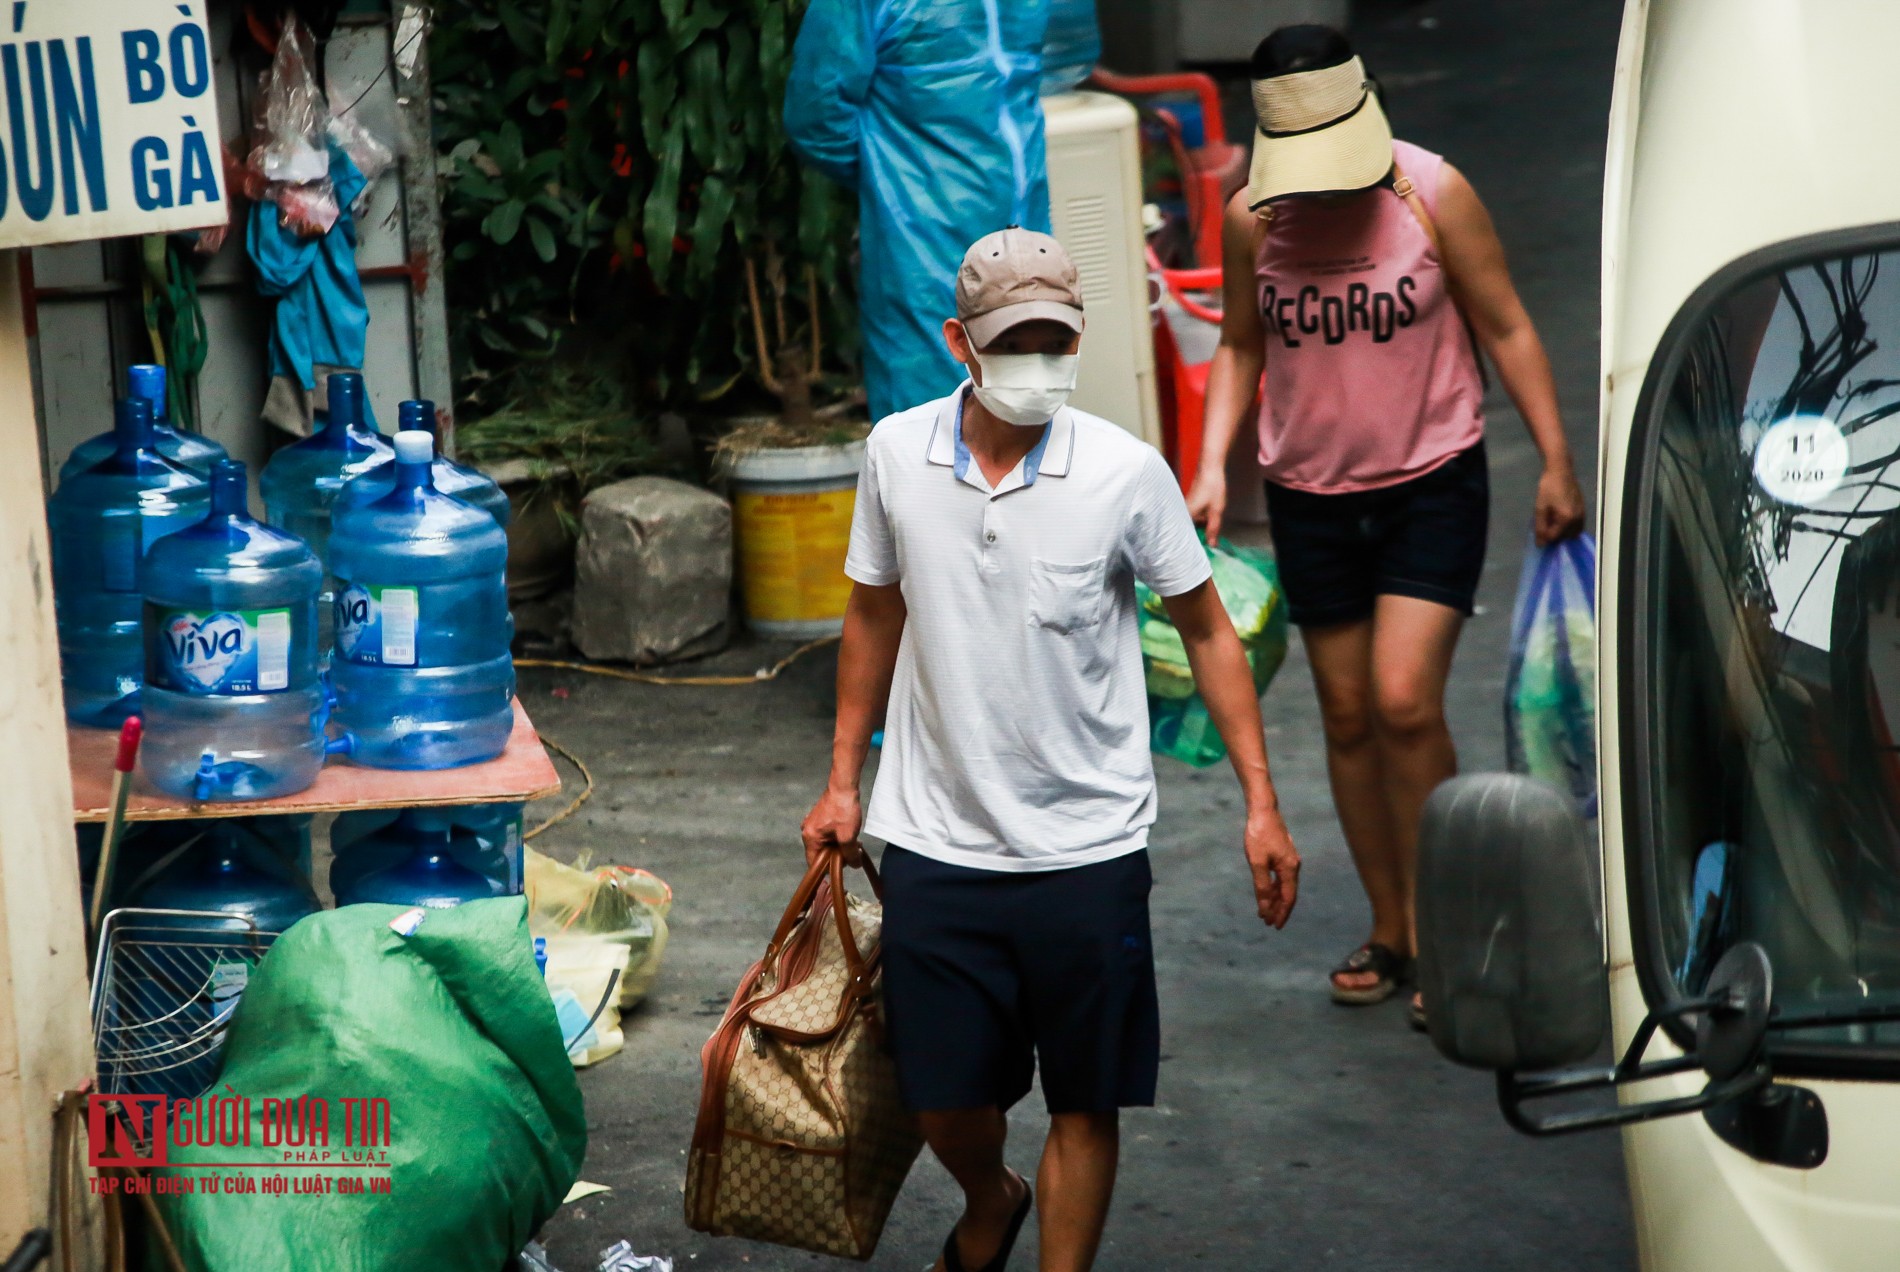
point(792, 474)
point(570, 431)
point(618, 200)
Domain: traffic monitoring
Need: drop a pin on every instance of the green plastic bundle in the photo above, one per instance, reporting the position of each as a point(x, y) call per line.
point(421, 1046)
point(1249, 587)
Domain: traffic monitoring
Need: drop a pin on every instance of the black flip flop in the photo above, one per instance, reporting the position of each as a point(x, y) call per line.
point(1392, 968)
point(953, 1261)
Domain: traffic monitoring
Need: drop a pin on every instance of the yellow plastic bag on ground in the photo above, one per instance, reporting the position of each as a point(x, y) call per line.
point(602, 928)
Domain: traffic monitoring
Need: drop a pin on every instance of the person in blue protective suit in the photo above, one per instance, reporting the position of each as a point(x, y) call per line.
point(928, 109)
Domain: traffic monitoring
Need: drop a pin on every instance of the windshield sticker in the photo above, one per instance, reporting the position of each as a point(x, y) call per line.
point(1801, 460)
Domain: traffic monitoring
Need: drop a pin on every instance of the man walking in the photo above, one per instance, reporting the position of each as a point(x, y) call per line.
point(997, 538)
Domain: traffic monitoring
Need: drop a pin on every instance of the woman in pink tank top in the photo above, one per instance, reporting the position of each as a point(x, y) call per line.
point(1362, 275)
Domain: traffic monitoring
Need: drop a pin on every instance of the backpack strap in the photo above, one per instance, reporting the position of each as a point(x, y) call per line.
point(1403, 187)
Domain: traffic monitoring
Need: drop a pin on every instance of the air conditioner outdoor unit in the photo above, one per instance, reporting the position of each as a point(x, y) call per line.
point(1095, 202)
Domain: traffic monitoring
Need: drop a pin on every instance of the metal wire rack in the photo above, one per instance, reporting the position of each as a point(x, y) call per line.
point(163, 992)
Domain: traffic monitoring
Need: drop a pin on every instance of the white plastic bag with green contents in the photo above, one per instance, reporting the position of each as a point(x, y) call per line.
point(1550, 693)
point(1249, 587)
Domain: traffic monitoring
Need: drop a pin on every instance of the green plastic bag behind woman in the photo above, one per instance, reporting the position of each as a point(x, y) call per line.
point(1249, 585)
point(439, 1047)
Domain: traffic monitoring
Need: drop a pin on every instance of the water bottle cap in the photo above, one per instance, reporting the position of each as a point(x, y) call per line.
point(414, 446)
point(147, 380)
point(416, 414)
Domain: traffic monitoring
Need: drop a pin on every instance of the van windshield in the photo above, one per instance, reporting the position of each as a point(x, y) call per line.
point(1766, 762)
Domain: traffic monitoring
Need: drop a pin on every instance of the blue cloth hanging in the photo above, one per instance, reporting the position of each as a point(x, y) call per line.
point(322, 318)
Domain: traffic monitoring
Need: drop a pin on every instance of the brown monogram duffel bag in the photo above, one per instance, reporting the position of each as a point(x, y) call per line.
point(801, 1139)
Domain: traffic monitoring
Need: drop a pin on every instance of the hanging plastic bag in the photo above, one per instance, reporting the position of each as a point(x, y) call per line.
point(1248, 582)
point(371, 157)
point(292, 154)
point(303, 138)
point(1550, 695)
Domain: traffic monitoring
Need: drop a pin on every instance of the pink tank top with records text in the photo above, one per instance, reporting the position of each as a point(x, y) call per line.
point(1371, 375)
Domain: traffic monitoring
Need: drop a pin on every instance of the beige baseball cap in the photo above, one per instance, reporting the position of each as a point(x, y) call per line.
point(1016, 275)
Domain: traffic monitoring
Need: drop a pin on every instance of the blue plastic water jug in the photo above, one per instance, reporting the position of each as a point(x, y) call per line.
point(426, 846)
point(467, 484)
point(102, 522)
point(494, 851)
point(422, 673)
point(196, 993)
point(220, 876)
point(144, 848)
point(301, 482)
point(233, 705)
point(193, 450)
point(1071, 46)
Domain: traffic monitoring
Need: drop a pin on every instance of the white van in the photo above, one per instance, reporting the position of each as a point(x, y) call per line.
point(1749, 671)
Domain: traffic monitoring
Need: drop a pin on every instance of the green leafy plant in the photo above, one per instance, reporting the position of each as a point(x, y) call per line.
point(608, 168)
point(577, 432)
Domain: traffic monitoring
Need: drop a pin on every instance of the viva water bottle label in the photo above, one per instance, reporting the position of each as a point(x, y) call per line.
point(377, 624)
point(224, 652)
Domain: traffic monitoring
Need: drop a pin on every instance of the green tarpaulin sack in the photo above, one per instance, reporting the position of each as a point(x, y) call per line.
point(1249, 585)
point(446, 1019)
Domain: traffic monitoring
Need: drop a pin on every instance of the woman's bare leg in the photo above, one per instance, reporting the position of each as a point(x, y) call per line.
point(1341, 657)
point(1412, 646)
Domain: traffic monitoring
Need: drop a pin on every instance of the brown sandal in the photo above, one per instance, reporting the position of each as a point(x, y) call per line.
point(1392, 969)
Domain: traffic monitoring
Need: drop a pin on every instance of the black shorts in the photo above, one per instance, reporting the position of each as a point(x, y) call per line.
point(1422, 538)
point(988, 973)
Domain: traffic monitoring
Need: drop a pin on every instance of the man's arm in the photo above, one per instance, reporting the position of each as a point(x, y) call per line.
point(1226, 685)
point(867, 657)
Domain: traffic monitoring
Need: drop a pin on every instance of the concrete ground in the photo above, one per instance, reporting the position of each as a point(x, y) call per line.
point(1291, 1133)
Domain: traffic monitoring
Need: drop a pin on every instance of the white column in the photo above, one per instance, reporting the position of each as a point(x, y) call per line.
point(45, 1033)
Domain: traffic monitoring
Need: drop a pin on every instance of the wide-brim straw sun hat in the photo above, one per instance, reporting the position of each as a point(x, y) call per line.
point(1321, 128)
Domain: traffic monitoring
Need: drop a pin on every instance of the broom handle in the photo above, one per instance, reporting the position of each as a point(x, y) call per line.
point(115, 820)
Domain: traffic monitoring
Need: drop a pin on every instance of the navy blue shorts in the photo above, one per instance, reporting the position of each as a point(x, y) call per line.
point(1422, 538)
point(989, 973)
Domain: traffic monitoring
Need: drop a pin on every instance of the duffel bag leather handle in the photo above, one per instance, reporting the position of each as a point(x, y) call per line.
point(841, 910)
point(829, 865)
point(800, 903)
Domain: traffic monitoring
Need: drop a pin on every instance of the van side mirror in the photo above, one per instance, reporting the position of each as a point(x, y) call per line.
point(1510, 936)
point(1511, 968)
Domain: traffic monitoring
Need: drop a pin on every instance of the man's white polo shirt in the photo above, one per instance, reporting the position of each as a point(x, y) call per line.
point(1017, 735)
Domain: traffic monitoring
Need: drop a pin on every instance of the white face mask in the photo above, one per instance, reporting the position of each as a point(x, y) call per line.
point(1025, 389)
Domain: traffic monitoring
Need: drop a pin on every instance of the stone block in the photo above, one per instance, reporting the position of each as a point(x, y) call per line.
point(653, 573)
